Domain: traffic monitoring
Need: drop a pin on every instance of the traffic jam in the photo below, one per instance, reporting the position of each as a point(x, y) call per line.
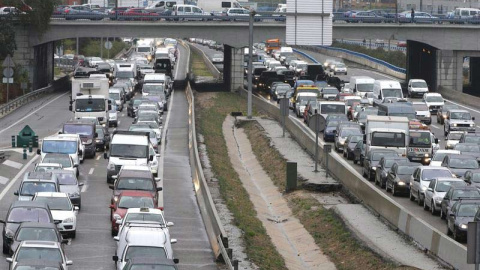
point(43, 218)
point(385, 130)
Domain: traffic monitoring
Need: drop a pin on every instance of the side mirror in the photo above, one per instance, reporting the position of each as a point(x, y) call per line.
point(116, 238)
point(115, 176)
point(81, 184)
point(150, 158)
point(76, 208)
point(430, 189)
point(159, 188)
point(452, 214)
point(56, 222)
point(115, 257)
point(39, 151)
point(175, 261)
point(473, 118)
point(118, 222)
point(105, 155)
point(157, 179)
point(173, 241)
point(15, 193)
point(75, 165)
point(96, 135)
point(80, 152)
point(170, 224)
point(436, 140)
point(111, 206)
point(110, 187)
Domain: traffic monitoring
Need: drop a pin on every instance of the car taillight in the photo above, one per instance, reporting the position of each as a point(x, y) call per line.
point(353, 15)
point(67, 10)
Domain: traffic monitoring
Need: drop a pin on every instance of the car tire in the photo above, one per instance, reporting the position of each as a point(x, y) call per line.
point(6, 249)
point(425, 206)
point(355, 161)
point(394, 193)
point(432, 209)
point(455, 235)
point(411, 197)
point(386, 187)
point(442, 215)
point(419, 199)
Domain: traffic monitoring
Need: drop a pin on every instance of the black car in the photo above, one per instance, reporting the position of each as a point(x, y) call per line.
point(371, 161)
point(459, 164)
point(350, 144)
point(133, 106)
point(36, 231)
point(103, 137)
point(454, 194)
point(266, 79)
point(461, 213)
point(151, 263)
point(398, 177)
point(383, 168)
point(359, 153)
point(23, 211)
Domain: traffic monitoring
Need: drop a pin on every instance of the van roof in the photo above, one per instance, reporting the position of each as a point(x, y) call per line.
point(387, 83)
point(62, 137)
point(130, 139)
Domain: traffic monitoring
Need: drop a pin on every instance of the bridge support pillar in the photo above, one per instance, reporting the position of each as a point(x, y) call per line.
point(447, 70)
point(24, 57)
point(233, 68)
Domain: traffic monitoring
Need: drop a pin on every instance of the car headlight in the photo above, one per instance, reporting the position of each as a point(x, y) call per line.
point(426, 155)
point(341, 143)
point(401, 183)
point(424, 188)
point(117, 217)
point(98, 140)
point(374, 168)
point(454, 125)
point(111, 166)
point(444, 115)
point(115, 198)
point(472, 125)
point(463, 226)
point(69, 220)
point(438, 199)
point(89, 141)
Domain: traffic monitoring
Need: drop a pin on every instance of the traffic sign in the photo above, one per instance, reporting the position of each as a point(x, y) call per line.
point(108, 45)
point(8, 72)
point(7, 80)
point(8, 62)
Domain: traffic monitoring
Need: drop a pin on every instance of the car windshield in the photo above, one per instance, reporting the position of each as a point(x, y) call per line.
point(396, 93)
point(332, 108)
point(467, 210)
point(148, 252)
point(134, 184)
point(420, 107)
point(365, 87)
point(90, 105)
point(388, 139)
point(467, 148)
point(472, 139)
point(419, 84)
point(135, 202)
point(355, 139)
point(350, 131)
point(351, 101)
point(66, 178)
point(430, 174)
point(142, 49)
point(63, 147)
point(454, 136)
point(460, 115)
point(27, 214)
point(39, 253)
point(128, 151)
point(30, 188)
point(461, 163)
point(434, 99)
point(145, 217)
point(124, 74)
point(56, 203)
point(465, 194)
point(330, 91)
point(439, 156)
point(379, 155)
point(64, 161)
point(78, 129)
point(153, 89)
point(405, 170)
point(444, 186)
point(420, 139)
point(41, 234)
point(100, 133)
point(115, 96)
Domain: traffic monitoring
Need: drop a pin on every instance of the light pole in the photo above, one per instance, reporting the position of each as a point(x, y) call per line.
point(250, 56)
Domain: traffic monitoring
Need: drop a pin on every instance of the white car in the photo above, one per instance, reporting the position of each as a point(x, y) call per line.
point(339, 68)
point(436, 191)
point(417, 87)
point(422, 112)
point(47, 167)
point(420, 180)
point(62, 210)
point(452, 139)
point(42, 251)
point(137, 215)
point(434, 101)
point(439, 155)
point(64, 160)
point(217, 58)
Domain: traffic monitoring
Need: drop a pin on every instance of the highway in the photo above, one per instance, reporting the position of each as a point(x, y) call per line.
point(93, 246)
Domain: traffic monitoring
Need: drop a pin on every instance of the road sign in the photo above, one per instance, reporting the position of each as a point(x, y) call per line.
point(108, 45)
point(8, 72)
point(313, 121)
point(7, 80)
point(8, 62)
point(284, 106)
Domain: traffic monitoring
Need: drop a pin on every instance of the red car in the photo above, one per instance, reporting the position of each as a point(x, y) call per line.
point(139, 14)
point(130, 199)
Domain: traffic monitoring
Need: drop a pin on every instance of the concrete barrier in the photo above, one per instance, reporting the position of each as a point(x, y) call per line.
point(460, 97)
point(436, 242)
point(211, 67)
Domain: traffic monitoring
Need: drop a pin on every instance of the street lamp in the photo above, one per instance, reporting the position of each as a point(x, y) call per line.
point(249, 68)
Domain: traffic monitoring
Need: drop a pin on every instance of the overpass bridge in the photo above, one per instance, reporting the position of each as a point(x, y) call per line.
point(435, 52)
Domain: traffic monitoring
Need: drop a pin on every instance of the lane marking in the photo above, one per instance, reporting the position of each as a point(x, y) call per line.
point(119, 122)
point(435, 126)
point(30, 114)
point(20, 173)
point(84, 188)
point(98, 157)
point(458, 104)
point(3, 180)
point(123, 115)
point(91, 170)
point(13, 164)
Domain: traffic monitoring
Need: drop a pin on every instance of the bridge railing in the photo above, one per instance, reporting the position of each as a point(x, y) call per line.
point(390, 18)
point(375, 44)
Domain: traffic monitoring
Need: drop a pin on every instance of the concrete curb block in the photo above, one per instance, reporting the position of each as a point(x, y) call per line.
point(215, 231)
point(458, 96)
point(211, 67)
point(436, 242)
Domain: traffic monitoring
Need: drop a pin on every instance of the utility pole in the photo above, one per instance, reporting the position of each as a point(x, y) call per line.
point(250, 56)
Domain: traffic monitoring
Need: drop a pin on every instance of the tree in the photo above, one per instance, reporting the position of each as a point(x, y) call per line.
point(7, 38)
point(37, 12)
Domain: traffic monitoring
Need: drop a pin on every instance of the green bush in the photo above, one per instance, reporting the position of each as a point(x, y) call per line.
point(395, 58)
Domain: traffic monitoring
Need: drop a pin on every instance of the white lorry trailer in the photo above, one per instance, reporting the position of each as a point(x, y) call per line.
point(90, 98)
point(387, 132)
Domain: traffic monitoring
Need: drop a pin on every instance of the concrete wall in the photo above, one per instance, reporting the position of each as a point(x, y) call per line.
point(237, 69)
point(24, 56)
point(426, 236)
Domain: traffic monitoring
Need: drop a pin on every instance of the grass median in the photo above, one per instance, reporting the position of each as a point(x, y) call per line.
point(212, 108)
point(199, 68)
point(327, 229)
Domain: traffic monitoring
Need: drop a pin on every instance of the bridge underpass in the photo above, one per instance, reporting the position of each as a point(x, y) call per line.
point(421, 63)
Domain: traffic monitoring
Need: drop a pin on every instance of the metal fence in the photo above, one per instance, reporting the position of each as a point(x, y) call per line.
point(375, 44)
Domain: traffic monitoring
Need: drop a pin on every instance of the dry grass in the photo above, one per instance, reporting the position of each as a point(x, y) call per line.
point(211, 112)
point(198, 65)
point(328, 230)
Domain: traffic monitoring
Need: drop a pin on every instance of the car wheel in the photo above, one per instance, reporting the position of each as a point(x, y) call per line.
point(363, 172)
point(394, 193)
point(432, 208)
point(455, 234)
point(376, 183)
point(344, 154)
point(419, 199)
point(442, 215)
point(425, 206)
point(386, 187)
point(449, 232)
point(412, 198)
point(73, 234)
point(355, 161)
point(6, 249)
point(380, 182)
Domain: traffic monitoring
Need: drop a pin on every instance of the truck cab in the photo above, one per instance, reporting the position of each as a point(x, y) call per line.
point(420, 146)
point(387, 132)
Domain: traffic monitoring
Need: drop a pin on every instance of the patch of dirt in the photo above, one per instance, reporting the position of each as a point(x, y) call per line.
point(205, 100)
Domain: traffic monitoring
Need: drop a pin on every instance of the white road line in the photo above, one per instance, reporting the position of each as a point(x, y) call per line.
point(3, 180)
point(98, 157)
point(435, 126)
point(84, 188)
point(118, 122)
point(458, 104)
point(20, 173)
point(91, 170)
point(30, 114)
point(123, 115)
point(13, 164)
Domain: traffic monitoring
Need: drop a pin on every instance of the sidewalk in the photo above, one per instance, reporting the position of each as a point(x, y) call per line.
point(288, 235)
point(365, 225)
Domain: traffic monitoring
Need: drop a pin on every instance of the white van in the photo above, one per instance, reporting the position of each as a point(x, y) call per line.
point(154, 78)
point(190, 10)
point(386, 89)
point(70, 144)
point(162, 53)
point(466, 13)
point(331, 107)
point(128, 148)
point(361, 85)
point(144, 48)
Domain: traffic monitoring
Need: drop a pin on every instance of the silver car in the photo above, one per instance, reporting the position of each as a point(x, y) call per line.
point(436, 191)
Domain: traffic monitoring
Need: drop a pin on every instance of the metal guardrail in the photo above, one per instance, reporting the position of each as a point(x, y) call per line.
point(306, 56)
point(373, 45)
point(22, 100)
point(390, 18)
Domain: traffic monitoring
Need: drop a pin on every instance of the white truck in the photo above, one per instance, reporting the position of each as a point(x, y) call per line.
point(387, 132)
point(217, 5)
point(361, 85)
point(90, 97)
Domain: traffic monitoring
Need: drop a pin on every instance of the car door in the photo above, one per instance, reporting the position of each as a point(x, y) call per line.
point(415, 182)
point(391, 175)
point(451, 216)
point(446, 200)
point(429, 192)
